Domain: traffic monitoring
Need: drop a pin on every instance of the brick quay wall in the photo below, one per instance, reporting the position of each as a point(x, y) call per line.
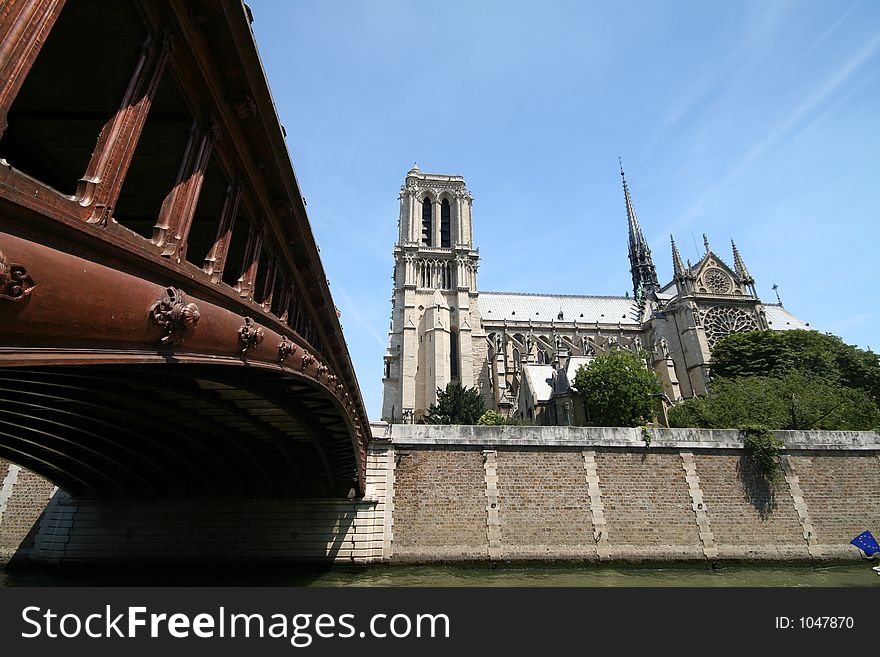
point(577, 493)
point(441, 493)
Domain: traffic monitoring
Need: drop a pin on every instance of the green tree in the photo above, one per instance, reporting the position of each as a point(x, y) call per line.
point(456, 405)
point(491, 418)
point(776, 353)
point(795, 400)
point(618, 389)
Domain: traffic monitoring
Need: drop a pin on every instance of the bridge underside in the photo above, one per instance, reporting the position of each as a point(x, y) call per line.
point(175, 430)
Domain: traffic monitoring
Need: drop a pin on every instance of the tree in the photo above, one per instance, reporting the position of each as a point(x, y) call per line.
point(491, 418)
point(456, 405)
point(618, 389)
point(795, 400)
point(777, 353)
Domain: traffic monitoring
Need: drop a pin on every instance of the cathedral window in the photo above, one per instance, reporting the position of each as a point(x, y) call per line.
point(542, 357)
point(515, 359)
point(427, 224)
point(720, 321)
point(445, 241)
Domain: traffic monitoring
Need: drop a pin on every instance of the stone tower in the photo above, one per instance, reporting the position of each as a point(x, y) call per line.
point(434, 313)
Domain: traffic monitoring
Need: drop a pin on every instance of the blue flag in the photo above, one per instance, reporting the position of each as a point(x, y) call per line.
point(866, 543)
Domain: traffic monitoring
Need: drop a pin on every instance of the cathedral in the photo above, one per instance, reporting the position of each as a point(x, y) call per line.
point(520, 350)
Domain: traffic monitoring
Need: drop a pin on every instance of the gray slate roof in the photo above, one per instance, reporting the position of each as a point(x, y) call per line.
point(779, 319)
point(519, 307)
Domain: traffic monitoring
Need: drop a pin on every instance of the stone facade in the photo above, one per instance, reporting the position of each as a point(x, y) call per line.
point(513, 346)
point(435, 323)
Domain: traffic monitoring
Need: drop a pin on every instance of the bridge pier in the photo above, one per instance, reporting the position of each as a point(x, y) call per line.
point(90, 530)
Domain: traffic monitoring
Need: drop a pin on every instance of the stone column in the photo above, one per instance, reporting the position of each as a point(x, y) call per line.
point(493, 505)
point(435, 222)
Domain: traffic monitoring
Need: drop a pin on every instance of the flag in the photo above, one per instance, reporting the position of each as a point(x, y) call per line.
point(866, 543)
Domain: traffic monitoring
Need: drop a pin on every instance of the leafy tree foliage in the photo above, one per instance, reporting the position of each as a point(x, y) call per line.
point(491, 418)
point(618, 389)
point(796, 400)
point(456, 405)
point(776, 353)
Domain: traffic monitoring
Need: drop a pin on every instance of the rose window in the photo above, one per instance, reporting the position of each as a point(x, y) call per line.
point(720, 321)
point(717, 281)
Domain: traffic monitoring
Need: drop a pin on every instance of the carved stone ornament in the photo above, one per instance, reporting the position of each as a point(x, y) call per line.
point(307, 360)
point(249, 335)
point(721, 321)
point(286, 348)
point(174, 315)
point(15, 284)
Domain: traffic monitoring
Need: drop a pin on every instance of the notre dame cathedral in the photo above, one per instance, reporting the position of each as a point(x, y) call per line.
point(521, 350)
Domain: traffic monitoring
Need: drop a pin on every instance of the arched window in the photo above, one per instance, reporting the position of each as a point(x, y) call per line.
point(542, 357)
point(427, 228)
point(515, 359)
point(444, 224)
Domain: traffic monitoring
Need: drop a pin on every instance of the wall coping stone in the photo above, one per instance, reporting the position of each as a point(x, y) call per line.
point(630, 437)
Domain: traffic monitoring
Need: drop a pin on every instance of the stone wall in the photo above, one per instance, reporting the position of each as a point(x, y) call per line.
point(86, 530)
point(603, 493)
point(495, 493)
point(544, 505)
point(439, 504)
point(23, 496)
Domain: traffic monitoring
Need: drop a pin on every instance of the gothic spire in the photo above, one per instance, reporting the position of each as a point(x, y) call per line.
point(677, 264)
point(644, 275)
point(740, 266)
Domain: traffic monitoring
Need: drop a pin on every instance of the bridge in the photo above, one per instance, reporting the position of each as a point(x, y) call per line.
point(166, 326)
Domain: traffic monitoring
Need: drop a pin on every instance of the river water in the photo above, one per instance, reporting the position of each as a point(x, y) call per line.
point(738, 575)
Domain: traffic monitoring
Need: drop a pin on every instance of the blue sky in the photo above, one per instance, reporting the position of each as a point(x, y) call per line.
point(756, 121)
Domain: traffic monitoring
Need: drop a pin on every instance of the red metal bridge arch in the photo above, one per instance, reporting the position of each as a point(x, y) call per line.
point(166, 326)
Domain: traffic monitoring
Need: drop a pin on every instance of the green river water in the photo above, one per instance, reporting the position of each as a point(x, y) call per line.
point(739, 575)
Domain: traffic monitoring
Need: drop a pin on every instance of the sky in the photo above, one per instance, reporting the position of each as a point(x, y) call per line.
point(752, 121)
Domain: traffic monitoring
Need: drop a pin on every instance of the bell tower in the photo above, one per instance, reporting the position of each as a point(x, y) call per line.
point(434, 301)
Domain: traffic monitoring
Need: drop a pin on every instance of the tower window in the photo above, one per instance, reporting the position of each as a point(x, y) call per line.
point(427, 228)
point(445, 242)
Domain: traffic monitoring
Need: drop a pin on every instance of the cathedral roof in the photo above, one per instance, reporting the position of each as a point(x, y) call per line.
point(779, 319)
point(538, 379)
point(546, 308)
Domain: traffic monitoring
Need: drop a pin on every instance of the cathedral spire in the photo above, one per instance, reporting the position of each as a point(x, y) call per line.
point(677, 264)
point(644, 275)
point(740, 266)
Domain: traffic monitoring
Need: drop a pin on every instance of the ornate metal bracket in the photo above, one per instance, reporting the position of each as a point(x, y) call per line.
point(249, 335)
point(174, 315)
point(286, 348)
point(15, 284)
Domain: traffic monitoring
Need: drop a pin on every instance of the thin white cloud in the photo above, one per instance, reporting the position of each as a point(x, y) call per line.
point(807, 52)
point(349, 309)
point(776, 136)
